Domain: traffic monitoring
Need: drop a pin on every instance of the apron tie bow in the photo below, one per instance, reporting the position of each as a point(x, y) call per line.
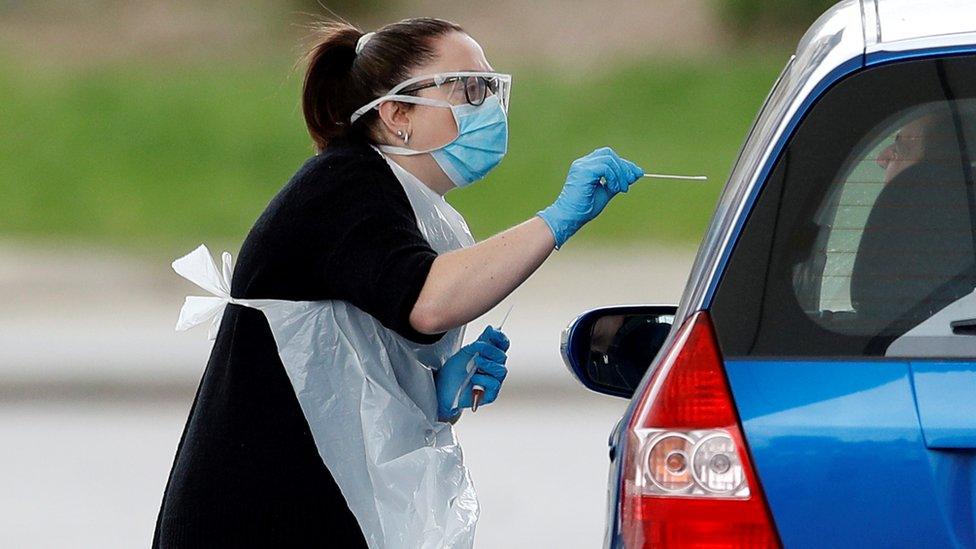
point(199, 268)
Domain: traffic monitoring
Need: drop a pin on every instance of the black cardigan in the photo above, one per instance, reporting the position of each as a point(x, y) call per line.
point(247, 473)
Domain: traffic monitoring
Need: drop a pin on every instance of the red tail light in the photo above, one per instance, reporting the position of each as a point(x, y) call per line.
point(688, 480)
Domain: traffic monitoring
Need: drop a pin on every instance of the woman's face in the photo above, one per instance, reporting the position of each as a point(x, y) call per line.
point(434, 127)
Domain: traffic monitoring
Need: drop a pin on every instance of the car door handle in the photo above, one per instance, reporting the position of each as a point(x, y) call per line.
point(964, 327)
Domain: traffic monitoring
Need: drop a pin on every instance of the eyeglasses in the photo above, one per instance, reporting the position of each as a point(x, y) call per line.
point(476, 87)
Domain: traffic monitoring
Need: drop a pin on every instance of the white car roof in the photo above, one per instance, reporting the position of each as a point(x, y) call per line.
point(912, 24)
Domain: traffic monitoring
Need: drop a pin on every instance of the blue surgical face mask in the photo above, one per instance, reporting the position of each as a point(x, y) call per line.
point(482, 139)
point(481, 143)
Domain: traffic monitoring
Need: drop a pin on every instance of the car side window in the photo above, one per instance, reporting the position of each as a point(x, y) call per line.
point(843, 220)
point(862, 240)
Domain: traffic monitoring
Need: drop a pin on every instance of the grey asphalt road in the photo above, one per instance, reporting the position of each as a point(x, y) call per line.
point(91, 474)
point(95, 388)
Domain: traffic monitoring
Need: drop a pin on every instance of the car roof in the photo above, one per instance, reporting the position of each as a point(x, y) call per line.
point(864, 27)
point(910, 24)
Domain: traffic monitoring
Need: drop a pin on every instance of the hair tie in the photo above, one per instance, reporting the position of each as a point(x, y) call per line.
point(362, 41)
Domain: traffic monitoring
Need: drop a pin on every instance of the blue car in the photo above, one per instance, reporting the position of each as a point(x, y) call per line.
point(816, 386)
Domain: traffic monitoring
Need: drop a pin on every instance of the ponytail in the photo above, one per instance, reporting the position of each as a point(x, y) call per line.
point(327, 76)
point(338, 80)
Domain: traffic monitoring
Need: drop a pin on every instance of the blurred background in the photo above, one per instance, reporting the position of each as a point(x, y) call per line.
point(132, 131)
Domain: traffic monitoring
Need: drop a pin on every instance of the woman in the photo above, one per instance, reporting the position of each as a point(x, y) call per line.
point(366, 278)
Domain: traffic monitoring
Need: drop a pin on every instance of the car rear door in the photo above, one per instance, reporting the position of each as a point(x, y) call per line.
point(846, 314)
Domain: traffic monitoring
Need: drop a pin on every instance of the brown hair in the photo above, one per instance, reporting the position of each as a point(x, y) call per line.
point(338, 80)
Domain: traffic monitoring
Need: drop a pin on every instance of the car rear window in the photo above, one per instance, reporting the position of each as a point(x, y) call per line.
point(862, 240)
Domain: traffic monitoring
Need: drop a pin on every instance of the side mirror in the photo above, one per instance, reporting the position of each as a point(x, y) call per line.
point(609, 349)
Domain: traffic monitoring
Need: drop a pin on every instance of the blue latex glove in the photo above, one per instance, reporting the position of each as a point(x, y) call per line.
point(488, 352)
point(584, 195)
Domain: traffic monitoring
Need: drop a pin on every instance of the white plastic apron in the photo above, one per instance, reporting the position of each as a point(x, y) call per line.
point(368, 395)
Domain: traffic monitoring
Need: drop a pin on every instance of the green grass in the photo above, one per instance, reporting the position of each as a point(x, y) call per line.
point(167, 155)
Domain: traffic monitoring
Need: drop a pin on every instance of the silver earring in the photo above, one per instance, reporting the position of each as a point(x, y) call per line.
point(399, 133)
point(406, 138)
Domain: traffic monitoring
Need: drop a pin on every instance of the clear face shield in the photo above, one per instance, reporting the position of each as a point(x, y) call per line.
point(451, 89)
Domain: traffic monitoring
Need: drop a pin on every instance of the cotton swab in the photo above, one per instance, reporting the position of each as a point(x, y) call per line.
point(672, 176)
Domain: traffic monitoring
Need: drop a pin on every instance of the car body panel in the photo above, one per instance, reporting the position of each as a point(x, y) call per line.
point(945, 394)
point(839, 452)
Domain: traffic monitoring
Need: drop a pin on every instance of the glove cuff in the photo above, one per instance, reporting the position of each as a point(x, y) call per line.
point(446, 418)
point(561, 229)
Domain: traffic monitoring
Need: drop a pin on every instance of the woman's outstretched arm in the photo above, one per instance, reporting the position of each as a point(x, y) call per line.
point(464, 284)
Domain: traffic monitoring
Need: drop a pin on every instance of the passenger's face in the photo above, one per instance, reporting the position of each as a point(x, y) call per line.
point(907, 150)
